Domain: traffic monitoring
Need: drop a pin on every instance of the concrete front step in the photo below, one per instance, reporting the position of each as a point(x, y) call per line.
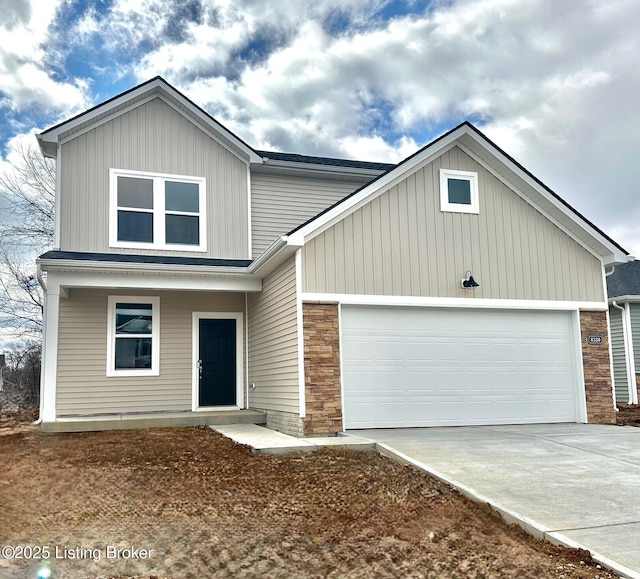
point(154, 420)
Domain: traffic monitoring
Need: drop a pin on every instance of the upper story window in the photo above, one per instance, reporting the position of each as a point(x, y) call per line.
point(459, 191)
point(157, 211)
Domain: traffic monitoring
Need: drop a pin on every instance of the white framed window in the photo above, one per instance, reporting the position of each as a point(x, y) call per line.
point(133, 336)
point(157, 211)
point(459, 191)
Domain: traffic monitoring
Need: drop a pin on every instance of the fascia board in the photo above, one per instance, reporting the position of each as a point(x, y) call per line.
point(612, 255)
point(625, 299)
point(270, 165)
point(273, 256)
point(49, 139)
point(154, 281)
point(326, 220)
point(71, 265)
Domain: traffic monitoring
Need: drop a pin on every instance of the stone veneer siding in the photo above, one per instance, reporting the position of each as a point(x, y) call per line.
point(322, 369)
point(597, 368)
point(286, 422)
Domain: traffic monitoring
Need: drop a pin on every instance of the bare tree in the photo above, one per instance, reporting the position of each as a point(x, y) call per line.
point(27, 195)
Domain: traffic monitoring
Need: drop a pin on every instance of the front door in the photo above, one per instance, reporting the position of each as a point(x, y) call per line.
point(217, 363)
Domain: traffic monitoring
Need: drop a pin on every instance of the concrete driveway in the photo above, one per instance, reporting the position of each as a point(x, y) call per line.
point(576, 484)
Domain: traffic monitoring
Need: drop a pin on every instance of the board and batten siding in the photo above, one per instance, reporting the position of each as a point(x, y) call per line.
point(619, 356)
point(273, 342)
point(82, 385)
point(279, 203)
point(155, 138)
point(401, 244)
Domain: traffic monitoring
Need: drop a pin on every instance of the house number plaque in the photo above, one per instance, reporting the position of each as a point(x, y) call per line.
point(594, 339)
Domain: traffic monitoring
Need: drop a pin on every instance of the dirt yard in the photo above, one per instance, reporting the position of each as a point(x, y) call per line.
point(199, 505)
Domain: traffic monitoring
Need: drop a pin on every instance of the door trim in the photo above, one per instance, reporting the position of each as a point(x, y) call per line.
point(195, 348)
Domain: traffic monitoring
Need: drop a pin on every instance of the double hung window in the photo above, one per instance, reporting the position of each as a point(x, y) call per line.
point(133, 336)
point(157, 211)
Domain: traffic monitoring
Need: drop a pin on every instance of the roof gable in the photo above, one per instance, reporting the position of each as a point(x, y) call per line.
point(504, 167)
point(154, 88)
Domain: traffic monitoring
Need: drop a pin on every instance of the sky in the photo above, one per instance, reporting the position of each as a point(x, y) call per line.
point(555, 83)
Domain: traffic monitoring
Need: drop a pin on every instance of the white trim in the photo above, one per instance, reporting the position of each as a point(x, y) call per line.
point(341, 367)
point(615, 253)
point(444, 302)
point(369, 192)
point(246, 350)
point(302, 393)
point(195, 348)
point(628, 298)
point(143, 93)
point(155, 336)
point(604, 248)
point(56, 200)
point(48, 379)
point(249, 220)
point(155, 282)
point(158, 211)
point(469, 176)
point(533, 204)
point(579, 385)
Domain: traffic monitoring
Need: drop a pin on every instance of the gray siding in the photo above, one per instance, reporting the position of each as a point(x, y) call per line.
point(402, 244)
point(273, 342)
point(153, 137)
point(619, 357)
point(281, 203)
point(635, 331)
point(84, 388)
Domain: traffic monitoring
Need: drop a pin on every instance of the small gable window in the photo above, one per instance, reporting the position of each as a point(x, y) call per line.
point(157, 211)
point(459, 191)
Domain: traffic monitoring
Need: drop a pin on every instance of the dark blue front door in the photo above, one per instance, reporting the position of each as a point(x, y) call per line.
point(217, 363)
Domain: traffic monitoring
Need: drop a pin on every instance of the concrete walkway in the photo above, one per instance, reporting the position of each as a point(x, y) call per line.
point(573, 484)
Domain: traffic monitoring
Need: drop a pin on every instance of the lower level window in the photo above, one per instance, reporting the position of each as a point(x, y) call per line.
point(133, 336)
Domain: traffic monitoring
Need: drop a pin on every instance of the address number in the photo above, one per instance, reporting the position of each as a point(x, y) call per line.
point(594, 339)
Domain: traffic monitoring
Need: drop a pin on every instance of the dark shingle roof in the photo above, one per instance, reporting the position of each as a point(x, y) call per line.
point(295, 158)
point(625, 280)
point(151, 259)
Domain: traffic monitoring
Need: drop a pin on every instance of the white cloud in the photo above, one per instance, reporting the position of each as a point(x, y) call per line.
point(553, 83)
point(24, 76)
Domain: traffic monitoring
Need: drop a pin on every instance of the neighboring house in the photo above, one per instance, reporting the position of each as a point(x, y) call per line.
point(623, 287)
point(194, 275)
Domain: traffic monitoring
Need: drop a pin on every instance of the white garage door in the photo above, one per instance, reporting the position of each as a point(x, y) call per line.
point(409, 367)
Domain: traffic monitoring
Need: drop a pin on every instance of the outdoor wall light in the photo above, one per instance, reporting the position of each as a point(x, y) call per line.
point(468, 282)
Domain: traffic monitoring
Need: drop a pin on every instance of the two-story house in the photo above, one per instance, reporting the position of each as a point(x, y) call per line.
point(194, 278)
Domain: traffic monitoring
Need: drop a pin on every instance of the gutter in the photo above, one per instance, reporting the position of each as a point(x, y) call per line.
point(282, 248)
point(126, 267)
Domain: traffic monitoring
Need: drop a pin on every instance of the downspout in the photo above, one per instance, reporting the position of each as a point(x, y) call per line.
point(43, 285)
point(625, 333)
point(246, 350)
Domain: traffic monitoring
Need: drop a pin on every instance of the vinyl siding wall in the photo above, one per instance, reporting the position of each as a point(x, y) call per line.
point(273, 342)
point(82, 385)
point(153, 137)
point(619, 356)
point(402, 244)
point(281, 203)
point(635, 331)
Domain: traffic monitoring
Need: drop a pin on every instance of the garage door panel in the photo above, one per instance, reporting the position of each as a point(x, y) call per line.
point(428, 367)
